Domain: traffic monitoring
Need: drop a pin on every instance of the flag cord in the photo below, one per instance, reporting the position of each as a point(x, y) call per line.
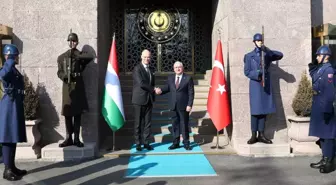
point(217, 143)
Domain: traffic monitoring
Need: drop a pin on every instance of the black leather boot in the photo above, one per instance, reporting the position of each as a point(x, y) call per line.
point(67, 142)
point(10, 175)
point(77, 125)
point(263, 139)
point(253, 138)
point(19, 172)
point(77, 142)
point(318, 164)
point(328, 166)
point(69, 130)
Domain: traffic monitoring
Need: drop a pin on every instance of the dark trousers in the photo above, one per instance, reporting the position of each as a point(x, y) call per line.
point(73, 124)
point(181, 126)
point(258, 123)
point(328, 147)
point(142, 123)
point(8, 154)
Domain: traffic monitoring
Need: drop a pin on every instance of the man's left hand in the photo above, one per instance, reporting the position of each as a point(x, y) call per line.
point(188, 109)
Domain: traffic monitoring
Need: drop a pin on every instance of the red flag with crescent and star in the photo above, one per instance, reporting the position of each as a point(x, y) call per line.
point(218, 100)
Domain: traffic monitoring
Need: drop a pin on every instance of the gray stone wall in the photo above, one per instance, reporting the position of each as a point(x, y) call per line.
point(41, 29)
point(287, 26)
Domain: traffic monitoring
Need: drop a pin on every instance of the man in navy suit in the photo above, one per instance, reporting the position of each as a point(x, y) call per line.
point(181, 88)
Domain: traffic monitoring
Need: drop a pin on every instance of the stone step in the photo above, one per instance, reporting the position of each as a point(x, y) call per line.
point(167, 128)
point(128, 141)
point(201, 95)
point(196, 107)
point(53, 152)
point(164, 101)
point(197, 88)
point(202, 127)
point(161, 82)
point(164, 77)
point(277, 149)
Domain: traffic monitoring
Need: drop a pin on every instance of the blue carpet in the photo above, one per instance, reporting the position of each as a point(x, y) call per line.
point(178, 165)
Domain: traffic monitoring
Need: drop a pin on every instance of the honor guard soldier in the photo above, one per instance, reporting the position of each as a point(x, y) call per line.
point(12, 119)
point(70, 67)
point(322, 119)
point(261, 98)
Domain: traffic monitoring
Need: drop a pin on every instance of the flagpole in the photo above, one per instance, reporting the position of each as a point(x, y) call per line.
point(217, 143)
point(113, 135)
point(217, 140)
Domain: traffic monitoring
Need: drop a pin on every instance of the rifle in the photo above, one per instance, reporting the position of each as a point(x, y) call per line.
point(262, 59)
point(69, 62)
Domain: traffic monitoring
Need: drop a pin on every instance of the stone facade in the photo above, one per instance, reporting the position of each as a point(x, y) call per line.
point(41, 29)
point(287, 26)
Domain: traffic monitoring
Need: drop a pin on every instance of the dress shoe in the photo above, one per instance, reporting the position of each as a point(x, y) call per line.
point(78, 143)
point(10, 175)
point(138, 147)
point(174, 146)
point(263, 139)
point(19, 172)
point(148, 147)
point(187, 147)
point(66, 142)
point(253, 138)
point(319, 164)
point(328, 166)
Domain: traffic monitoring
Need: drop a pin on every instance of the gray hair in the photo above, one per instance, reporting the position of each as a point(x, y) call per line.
point(178, 63)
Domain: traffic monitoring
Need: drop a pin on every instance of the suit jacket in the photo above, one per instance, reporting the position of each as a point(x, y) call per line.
point(143, 86)
point(181, 97)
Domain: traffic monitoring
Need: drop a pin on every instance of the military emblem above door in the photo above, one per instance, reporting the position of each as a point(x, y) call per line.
point(171, 33)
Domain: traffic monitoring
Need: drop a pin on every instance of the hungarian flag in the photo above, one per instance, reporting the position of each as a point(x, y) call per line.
point(112, 108)
point(218, 100)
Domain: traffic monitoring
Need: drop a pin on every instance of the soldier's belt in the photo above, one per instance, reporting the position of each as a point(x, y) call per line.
point(12, 90)
point(315, 92)
point(76, 74)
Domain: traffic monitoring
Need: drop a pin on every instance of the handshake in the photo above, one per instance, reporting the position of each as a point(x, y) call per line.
point(157, 90)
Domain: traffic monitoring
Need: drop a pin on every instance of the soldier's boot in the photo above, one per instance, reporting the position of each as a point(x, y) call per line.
point(19, 172)
point(8, 174)
point(77, 125)
point(319, 164)
point(263, 139)
point(69, 130)
point(253, 138)
point(67, 142)
point(328, 166)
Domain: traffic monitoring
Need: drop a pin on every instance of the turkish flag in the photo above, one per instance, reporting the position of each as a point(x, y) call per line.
point(218, 100)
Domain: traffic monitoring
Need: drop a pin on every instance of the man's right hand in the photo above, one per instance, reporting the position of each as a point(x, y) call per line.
point(157, 90)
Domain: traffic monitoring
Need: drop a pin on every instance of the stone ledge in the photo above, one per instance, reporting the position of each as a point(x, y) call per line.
point(277, 149)
point(25, 153)
point(54, 153)
point(305, 148)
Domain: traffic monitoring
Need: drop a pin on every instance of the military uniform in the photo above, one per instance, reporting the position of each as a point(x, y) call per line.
point(323, 119)
point(261, 98)
point(70, 67)
point(12, 119)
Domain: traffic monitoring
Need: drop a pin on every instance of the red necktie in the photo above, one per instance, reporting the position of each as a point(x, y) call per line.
point(177, 83)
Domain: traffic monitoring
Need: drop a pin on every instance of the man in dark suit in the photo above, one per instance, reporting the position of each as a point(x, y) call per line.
point(143, 96)
point(181, 88)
